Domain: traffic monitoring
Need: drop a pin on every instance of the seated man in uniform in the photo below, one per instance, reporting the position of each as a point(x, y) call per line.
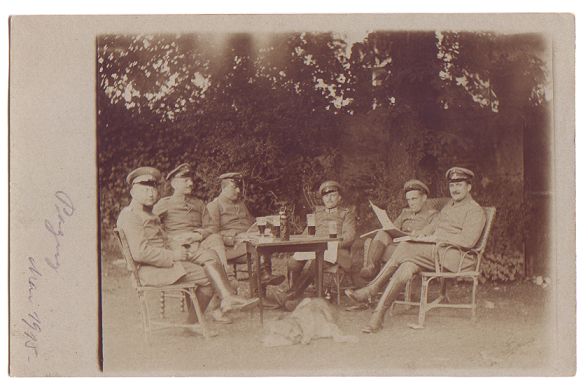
point(181, 217)
point(460, 223)
point(158, 264)
point(331, 211)
point(412, 219)
point(228, 216)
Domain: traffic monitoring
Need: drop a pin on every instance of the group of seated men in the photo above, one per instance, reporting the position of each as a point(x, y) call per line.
point(180, 239)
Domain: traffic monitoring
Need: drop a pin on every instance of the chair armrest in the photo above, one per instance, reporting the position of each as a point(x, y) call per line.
point(441, 249)
point(449, 274)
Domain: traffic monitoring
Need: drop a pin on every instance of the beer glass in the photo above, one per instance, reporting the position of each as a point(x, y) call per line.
point(332, 229)
point(275, 219)
point(261, 222)
point(311, 223)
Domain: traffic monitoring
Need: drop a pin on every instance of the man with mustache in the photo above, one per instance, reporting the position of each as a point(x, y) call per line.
point(460, 223)
point(228, 216)
point(181, 216)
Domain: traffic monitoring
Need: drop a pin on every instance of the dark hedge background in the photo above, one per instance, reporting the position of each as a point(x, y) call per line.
point(290, 110)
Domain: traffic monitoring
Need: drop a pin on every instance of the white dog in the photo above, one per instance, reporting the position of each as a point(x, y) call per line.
point(313, 318)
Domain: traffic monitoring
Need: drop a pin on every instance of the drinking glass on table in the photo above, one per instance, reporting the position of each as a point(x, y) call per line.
point(311, 223)
point(275, 219)
point(332, 229)
point(261, 223)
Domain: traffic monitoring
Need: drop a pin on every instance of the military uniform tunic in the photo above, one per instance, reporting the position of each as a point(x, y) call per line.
point(459, 223)
point(227, 217)
point(181, 214)
point(409, 221)
point(148, 246)
point(346, 224)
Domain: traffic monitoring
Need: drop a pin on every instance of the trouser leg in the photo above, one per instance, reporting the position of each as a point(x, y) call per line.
point(215, 242)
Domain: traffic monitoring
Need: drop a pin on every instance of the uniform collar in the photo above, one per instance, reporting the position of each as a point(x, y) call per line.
point(179, 197)
point(224, 199)
point(333, 210)
point(140, 209)
point(464, 201)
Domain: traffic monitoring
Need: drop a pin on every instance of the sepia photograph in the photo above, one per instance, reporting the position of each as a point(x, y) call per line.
point(321, 196)
point(213, 148)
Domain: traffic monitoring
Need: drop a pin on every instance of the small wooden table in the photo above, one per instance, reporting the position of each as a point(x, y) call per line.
point(258, 246)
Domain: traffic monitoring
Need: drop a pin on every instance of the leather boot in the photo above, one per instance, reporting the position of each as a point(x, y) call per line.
point(215, 312)
point(366, 293)
point(267, 278)
point(229, 301)
point(392, 290)
point(374, 255)
point(305, 278)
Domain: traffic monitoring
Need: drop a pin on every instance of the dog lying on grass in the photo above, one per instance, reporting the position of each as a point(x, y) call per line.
point(313, 318)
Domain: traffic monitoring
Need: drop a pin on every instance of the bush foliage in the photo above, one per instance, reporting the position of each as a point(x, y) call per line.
point(302, 107)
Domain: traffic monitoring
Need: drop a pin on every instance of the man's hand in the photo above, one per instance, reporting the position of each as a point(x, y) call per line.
point(427, 238)
point(229, 240)
point(181, 254)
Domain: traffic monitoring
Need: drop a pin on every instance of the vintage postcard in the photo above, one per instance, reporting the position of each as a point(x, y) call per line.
point(142, 148)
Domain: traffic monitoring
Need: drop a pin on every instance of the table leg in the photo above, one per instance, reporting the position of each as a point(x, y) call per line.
point(320, 257)
point(259, 289)
point(250, 274)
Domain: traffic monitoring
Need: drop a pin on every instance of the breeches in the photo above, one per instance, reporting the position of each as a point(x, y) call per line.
point(194, 274)
point(421, 254)
point(202, 252)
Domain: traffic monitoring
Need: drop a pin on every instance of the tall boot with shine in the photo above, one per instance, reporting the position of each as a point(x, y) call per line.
point(393, 289)
point(219, 280)
point(366, 293)
point(372, 264)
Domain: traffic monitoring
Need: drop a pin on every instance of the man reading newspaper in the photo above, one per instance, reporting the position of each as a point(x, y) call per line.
point(410, 221)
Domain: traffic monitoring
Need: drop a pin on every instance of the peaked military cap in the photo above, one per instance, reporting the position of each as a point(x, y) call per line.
point(329, 187)
point(144, 175)
point(178, 172)
point(415, 184)
point(231, 175)
point(459, 174)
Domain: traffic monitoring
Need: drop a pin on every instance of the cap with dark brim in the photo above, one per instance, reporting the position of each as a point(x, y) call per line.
point(329, 187)
point(180, 171)
point(144, 175)
point(416, 185)
point(459, 174)
point(231, 175)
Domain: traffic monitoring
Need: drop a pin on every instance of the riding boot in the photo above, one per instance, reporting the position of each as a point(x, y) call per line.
point(394, 287)
point(267, 278)
point(229, 301)
point(373, 257)
point(366, 293)
point(304, 279)
point(215, 312)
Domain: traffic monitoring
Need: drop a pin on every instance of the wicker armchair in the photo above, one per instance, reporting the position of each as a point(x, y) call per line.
point(427, 277)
